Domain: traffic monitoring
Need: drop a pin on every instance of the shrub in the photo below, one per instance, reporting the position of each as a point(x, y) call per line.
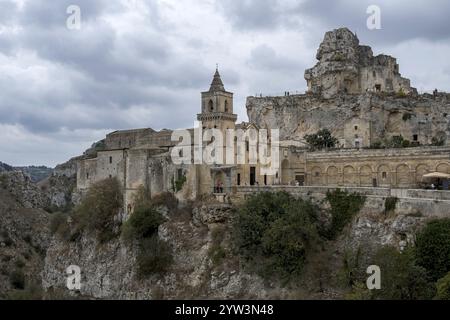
point(274, 232)
point(433, 248)
point(401, 278)
point(344, 206)
point(438, 141)
point(166, 199)
point(17, 279)
point(57, 220)
point(390, 204)
point(154, 257)
point(177, 185)
point(323, 139)
point(98, 210)
point(443, 288)
point(19, 263)
point(217, 253)
point(407, 116)
point(143, 223)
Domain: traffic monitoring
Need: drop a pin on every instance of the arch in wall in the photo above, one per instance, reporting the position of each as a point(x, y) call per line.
point(350, 176)
point(443, 167)
point(316, 176)
point(210, 106)
point(384, 176)
point(285, 172)
point(365, 176)
point(421, 170)
point(403, 176)
point(332, 176)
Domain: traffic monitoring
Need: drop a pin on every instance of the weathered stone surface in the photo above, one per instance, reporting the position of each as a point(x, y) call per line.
point(346, 67)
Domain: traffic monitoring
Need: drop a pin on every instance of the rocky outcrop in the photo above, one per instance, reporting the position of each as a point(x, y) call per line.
point(426, 116)
point(24, 238)
point(346, 67)
point(109, 271)
point(23, 190)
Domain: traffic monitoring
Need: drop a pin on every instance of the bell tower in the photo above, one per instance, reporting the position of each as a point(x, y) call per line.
point(217, 106)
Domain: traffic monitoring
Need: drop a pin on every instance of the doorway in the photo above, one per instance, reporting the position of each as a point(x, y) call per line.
point(252, 176)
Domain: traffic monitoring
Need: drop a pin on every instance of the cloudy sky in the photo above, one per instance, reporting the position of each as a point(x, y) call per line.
point(143, 63)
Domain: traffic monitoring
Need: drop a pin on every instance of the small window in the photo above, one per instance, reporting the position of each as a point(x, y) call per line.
point(110, 176)
point(317, 173)
point(356, 128)
point(374, 74)
point(415, 137)
point(87, 175)
point(238, 179)
point(211, 106)
point(357, 144)
point(226, 106)
point(247, 146)
point(384, 175)
point(110, 159)
point(180, 153)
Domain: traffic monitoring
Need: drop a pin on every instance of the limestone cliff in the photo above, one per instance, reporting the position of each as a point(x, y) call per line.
point(376, 116)
point(109, 271)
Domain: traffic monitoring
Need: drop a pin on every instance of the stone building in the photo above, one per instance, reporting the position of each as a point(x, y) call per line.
point(360, 98)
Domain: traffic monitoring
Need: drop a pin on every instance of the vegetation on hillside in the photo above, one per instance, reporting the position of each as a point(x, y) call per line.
point(276, 232)
point(419, 272)
point(98, 213)
point(344, 206)
point(154, 255)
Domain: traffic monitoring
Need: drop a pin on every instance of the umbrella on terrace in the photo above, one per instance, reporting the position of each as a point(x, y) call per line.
point(436, 175)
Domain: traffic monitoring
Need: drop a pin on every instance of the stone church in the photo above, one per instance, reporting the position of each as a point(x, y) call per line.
point(361, 98)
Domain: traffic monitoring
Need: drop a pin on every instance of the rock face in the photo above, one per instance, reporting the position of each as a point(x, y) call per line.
point(376, 116)
point(4, 167)
point(109, 271)
point(24, 239)
point(346, 67)
point(23, 190)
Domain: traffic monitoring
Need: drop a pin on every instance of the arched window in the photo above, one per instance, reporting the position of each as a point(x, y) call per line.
point(210, 106)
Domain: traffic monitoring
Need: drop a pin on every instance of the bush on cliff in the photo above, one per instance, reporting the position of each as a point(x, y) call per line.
point(344, 206)
point(98, 211)
point(443, 288)
point(154, 254)
point(275, 232)
point(433, 248)
point(401, 278)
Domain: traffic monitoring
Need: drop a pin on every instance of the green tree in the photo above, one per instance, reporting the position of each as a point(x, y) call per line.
point(344, 206)
point(275, 232)
point(401, 278)
point(443, 288)
point(99, 209)
point(323, 139)
point(433, 248)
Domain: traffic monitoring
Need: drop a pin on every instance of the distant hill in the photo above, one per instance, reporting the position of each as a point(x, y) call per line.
point(4, 167)
point(37, 173)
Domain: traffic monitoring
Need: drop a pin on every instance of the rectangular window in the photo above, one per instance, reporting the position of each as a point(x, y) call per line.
point(415, 137)
point(238, 179)
point(110, 159)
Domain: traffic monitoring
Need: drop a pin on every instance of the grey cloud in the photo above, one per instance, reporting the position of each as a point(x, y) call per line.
point(264, 57)
point(251, 14)
point(401, 20)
